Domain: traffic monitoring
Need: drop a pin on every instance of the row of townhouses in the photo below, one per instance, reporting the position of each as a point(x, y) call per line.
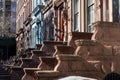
point(54, 20)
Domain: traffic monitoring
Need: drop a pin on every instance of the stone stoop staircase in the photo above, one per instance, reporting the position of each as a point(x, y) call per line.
point(33, 60)
point(93, 57)
point(15, 68)
point(86, 54)
point(48, 64)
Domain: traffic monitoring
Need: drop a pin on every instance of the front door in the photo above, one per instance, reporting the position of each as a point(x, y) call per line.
point(61, 25)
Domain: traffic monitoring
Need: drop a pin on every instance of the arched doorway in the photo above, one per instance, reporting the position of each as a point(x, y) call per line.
point(112, 76)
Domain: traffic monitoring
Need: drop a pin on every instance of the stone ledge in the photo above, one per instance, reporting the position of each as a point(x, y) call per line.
point(81, 35)
point(63, 49)
point(25, 62)
point(16, 68)
point(64, 57)
point(49, 73)
point(38, 52)
point(104, 58)
point(78, 35)
point(106, 32)
point(48, 47)
point(54, 42)
point(31, 70)
point(83, 42)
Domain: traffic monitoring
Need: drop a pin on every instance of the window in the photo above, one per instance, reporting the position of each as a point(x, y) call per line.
point(76, 15)
point(115, 10)
point(8, 7)
point(90, 15)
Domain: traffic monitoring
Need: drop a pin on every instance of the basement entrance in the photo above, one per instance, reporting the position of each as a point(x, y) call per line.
point(7, 47)
point(112, 76)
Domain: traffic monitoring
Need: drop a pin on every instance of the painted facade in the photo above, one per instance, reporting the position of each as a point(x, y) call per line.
point(36, 23)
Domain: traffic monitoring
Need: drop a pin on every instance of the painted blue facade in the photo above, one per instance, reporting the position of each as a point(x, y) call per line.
point(36, 24)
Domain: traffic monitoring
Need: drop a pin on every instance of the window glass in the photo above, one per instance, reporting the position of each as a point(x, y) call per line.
point(90, 15)
point(76, 15)
point(115, 11)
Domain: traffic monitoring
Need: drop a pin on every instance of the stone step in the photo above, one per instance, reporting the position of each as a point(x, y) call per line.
point(48, 63)
point(16, 72)
point(67, 65)
point(63, 49)
point(47, 49)
point(30, 63)
point(48, 46)
point(3, 71)
point(5, 77)
point(47, 75)
point(38, 46)
point(36, 54)
point(33, 61)
point(29, 73)
point(78, 35)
